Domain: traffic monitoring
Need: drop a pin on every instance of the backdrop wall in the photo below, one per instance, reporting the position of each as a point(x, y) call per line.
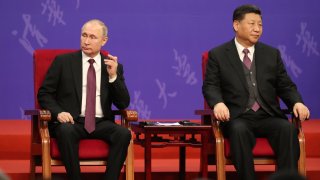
point(160, 44)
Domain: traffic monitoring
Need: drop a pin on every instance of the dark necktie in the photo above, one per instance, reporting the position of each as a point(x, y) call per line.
point(247, 62)
point(90, 122)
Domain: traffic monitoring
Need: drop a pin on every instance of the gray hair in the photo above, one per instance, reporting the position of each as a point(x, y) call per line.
point(97, 21)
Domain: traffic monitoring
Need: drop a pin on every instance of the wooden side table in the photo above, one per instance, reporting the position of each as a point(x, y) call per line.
point(152, 139)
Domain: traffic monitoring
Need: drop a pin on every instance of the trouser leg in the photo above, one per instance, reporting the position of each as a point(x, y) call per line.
point(283, 138)
point(118, 138)
point(242, 141)
point(68, 136)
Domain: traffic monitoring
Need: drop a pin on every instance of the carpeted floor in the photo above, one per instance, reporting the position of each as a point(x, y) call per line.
point(15, 149)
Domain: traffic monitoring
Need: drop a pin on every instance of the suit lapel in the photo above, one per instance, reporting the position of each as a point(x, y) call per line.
point(76, 66)
point(234, 59)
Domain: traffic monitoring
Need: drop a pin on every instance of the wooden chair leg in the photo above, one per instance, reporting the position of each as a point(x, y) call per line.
point(301, 163)
point(129, 162)
point(32, 168)
point(220, 158)
point(221, 172)
point(46, 160)
point(46, 170)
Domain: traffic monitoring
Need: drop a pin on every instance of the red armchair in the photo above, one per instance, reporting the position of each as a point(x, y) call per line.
point(44, 150)
point(262, 152)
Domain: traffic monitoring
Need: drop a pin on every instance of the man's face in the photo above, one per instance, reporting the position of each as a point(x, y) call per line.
point(92, 39)
point(249, 29)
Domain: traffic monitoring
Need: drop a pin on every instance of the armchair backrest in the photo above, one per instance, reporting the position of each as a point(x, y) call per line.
point(204, 66)
point(42, 59)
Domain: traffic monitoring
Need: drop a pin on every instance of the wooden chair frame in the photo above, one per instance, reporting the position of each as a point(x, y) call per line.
point(40, 138)
point(207, 117)
point(40, 144)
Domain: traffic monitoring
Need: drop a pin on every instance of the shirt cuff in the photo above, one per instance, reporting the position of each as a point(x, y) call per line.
point(112, 79)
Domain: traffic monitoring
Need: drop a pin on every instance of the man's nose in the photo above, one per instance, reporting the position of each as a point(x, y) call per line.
point(86, 40)
point(256, 28)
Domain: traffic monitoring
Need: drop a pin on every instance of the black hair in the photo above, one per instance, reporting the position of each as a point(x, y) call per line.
point(241, 11)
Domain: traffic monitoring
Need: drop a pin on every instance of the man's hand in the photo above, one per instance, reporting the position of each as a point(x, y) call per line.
point(301, 111)
point(112, 65)
point(221, 112)
point(65, 117)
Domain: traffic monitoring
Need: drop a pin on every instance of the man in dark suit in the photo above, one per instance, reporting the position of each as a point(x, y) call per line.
point(243, 81)
point(65, 93)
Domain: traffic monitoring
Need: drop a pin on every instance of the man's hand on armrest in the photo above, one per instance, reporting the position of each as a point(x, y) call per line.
point(301, 111)
point(221, 112)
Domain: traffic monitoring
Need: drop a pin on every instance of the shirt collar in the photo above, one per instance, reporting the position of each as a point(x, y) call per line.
point(96, 58)
point(240, 47)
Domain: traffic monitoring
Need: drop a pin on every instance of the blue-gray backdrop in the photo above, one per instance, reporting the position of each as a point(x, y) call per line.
point(160, 44)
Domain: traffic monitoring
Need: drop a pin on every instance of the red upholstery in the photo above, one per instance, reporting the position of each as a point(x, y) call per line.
point(262, 147)
point(100, 150)
point(42, 61)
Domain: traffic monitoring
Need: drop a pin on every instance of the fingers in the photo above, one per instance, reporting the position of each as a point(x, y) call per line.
point(65, 117)
point(71, 119)
point(222, 116)
point(111, 60)
point(303, 114)
point(112, 65)
point(221, 112)
point(295, 112)
point(301, 111)
point(114, 58)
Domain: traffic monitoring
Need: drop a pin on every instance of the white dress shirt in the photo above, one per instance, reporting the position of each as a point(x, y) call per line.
point(97, 67)
point(240, 49)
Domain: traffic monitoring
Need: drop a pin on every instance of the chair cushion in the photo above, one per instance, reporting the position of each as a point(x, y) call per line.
point(262, 148)
point(88, 149)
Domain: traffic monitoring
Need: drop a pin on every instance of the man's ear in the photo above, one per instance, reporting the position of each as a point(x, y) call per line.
point(105, 40)
point(235, 25)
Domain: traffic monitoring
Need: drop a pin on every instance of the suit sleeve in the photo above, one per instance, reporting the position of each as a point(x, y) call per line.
point(286, 88)
point(211, 86)
point(47, 91)
point(119, 92)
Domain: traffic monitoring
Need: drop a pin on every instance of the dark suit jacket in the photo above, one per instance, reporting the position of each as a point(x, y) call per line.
point(62, 87)
point(225, 79)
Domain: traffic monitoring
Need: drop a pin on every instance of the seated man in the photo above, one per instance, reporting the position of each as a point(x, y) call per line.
point(243, 81)
point(79, 89)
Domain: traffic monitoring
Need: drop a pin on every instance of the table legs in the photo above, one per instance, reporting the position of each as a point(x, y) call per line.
point(182, 162)
point(182, 158)
point(147, 156)
point(204, 155)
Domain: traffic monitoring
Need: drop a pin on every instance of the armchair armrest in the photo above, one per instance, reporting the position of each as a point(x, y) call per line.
point(40, 138)
point(206, 116)
point(127, 116)
point(44, 115)
point(130, 115)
